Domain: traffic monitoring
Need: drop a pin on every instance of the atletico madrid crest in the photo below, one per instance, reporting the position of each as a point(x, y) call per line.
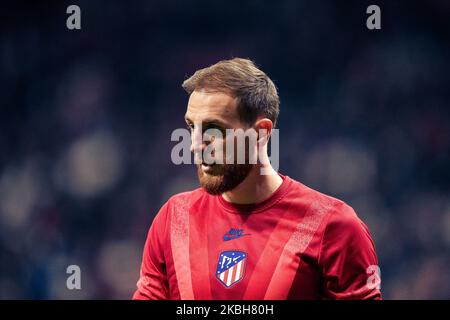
point(230, 267)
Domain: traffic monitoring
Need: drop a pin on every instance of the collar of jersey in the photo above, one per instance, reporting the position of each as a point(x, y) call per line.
point(260, 206)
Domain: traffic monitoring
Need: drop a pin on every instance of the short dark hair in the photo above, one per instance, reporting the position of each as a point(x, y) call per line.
point(256, 93)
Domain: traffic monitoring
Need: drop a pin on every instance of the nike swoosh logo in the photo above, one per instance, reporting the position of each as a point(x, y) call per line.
point(228, 237)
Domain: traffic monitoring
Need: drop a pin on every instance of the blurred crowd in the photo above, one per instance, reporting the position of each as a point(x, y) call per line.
point(86, 118)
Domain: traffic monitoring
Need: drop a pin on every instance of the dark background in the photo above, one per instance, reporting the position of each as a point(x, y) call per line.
point(86, 118)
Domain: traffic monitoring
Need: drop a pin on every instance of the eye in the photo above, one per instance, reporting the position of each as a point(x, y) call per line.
point(190, 126)
point(212, 126)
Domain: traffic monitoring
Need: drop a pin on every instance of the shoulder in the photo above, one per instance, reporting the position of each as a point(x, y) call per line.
point(317, 202)
point(180, 203)
point(340, 227)
point(185, 199)
point(334, 213)
point(176, 208)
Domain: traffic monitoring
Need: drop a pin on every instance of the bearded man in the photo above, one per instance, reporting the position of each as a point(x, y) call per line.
point(249, 232)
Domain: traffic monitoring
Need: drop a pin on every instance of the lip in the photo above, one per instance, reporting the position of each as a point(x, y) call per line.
point(207, 168)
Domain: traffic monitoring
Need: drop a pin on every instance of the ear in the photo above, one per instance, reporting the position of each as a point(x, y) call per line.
point(264, 128)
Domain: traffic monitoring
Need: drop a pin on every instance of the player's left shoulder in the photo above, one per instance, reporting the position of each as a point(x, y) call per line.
point(341, 228)
point(343, 224)
point(344, 218)
point(335, 212)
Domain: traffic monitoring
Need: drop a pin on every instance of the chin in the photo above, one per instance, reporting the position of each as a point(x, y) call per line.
point(213, 184)
point(220, 179)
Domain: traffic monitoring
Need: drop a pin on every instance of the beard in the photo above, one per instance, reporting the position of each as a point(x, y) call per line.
point(223, 177)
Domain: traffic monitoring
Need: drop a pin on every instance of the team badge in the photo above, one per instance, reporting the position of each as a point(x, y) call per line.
point(230, 267)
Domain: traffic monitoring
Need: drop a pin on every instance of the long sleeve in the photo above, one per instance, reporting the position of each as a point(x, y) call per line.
point(347, 258)
point(152, 283)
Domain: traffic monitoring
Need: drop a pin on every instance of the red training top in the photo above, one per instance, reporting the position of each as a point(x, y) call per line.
point(297, 244)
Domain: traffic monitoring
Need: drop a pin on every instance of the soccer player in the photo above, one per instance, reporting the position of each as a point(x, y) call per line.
point(247, 235)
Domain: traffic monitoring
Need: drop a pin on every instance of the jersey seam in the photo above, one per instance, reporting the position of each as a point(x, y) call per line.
point(323, 235)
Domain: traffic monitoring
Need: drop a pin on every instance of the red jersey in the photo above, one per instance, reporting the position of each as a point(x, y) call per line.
point(297, 244)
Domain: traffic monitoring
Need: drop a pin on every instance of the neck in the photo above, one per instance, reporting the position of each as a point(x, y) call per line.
point(256, 187)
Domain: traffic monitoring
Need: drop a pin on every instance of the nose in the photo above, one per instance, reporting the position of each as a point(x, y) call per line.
point(197, 144)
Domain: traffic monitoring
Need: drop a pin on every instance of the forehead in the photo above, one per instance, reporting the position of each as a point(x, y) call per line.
point(211, 105)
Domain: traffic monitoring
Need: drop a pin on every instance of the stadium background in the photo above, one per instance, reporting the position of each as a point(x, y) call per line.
point(86, 118)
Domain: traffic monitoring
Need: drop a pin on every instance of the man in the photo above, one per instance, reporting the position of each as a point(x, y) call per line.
point(244, 234)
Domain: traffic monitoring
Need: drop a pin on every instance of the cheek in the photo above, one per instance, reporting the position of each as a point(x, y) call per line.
point(219, 146)
point(229, 154)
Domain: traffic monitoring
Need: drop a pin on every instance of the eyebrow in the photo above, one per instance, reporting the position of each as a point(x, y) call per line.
point(209, 122)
